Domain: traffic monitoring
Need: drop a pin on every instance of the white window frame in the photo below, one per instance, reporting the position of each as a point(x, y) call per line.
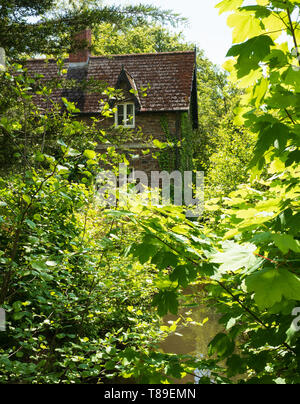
point(126, 124)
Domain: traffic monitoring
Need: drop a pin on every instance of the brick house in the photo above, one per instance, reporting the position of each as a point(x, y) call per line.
point(170, 79)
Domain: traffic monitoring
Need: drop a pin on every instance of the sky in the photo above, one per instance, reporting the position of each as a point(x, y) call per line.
point(205, 27)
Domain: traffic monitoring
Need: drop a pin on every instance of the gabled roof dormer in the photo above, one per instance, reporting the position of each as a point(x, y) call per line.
point(126, 83)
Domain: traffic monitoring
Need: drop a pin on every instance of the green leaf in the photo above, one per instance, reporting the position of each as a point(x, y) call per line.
point(286, 242)
point(245, 26)
point(73, 153)
point(206, 269)
point(166, 301)
point(272, 135)
point(235, 365)
point(18, 316)
point(30, 223)
point(260, 11)
point(221, 345)
point(27, 199)
point(228, 5)
point(291, 77)
point(158, 144)
point(38, 265)
point(110, 365)
point(235, 256)
point(61, 143)
point(184, 274)
point(292, 334)
point(62, 169)
point(250, 53)
point(90, 154)
point(51, 263)
point(231, 323)
point(119, 213)
point(164, 259)
point(271, 285)
point(70, 105)
point(147, 249)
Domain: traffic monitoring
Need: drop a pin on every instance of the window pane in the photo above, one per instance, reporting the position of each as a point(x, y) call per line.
point(120, 114)
point(129, 114)
point(130, 109)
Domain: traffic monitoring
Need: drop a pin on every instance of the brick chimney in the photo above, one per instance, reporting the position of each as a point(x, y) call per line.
point(83, 42)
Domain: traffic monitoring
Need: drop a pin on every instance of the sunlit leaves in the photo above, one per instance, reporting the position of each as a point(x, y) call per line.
point(235, 256)
point(270, 285)
point(70, 106)
point(229, 5)
point(275, 134)
point(266, 212)
point(251, 53)
point(245, 26)
point(90, 154)
point(262, 2)
point(27, 199)
point(275, 24)
point(286, 242)
point(260, 91)
point(292, 77)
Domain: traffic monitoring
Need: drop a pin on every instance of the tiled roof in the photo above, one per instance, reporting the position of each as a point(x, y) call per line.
point(169, 75)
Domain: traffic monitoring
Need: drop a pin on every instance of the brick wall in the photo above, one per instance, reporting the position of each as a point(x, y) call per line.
point(146, 163)
point(150, 124)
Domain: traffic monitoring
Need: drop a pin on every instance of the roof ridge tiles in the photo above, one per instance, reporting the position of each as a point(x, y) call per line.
point(109, 56)
point(142, 54)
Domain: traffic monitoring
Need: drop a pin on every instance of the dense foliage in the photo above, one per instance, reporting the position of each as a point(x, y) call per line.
point(248, 253)
point(48, 26)
point(78, 311)
point(110, 39)
point(229, 154)
point(79, 283)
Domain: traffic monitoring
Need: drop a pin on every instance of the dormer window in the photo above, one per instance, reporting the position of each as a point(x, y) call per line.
point(125, 115)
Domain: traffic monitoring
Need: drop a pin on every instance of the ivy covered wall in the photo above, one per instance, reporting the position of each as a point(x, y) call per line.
point(179, 150)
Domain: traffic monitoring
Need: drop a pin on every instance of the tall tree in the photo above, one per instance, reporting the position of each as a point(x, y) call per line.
point(111, 39)
point(30, 27)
